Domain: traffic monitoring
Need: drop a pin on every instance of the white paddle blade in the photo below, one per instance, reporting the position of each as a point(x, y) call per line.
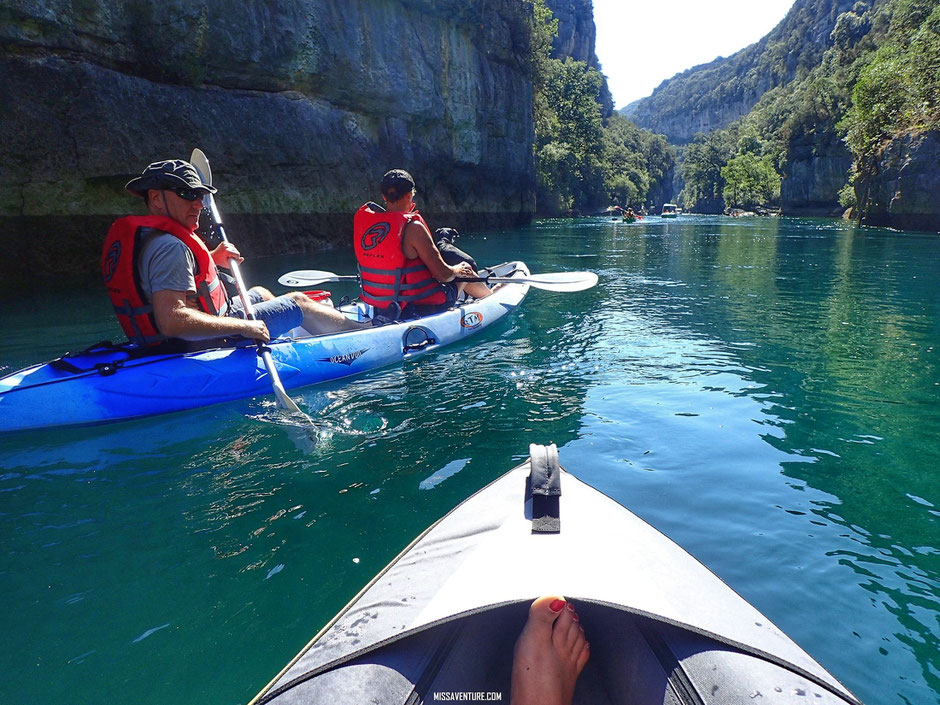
point(280, 394)
point(311, 277)
point(284, 401)
point(199, 160)
point(556, 281)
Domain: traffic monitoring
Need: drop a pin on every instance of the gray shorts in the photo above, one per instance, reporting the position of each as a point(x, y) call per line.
point(279, 314)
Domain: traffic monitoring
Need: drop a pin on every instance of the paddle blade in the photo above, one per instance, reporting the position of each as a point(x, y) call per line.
point(310, 277)
point(199, 160)
point(284, 401)
point(280, 394)
point(555, 281)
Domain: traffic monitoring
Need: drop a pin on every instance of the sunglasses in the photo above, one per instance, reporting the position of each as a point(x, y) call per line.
point(188, 194)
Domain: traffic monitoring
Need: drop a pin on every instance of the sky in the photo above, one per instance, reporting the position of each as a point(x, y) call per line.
point(641, 43)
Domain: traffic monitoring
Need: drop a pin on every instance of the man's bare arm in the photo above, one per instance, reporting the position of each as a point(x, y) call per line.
point(175, 319)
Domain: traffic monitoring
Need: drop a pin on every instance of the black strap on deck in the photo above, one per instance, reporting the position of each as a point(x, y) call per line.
point(545, 486)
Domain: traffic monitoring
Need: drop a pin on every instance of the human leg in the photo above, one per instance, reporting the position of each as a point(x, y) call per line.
point(260, 292)
point(477, 290)
point(255, 295)
point(279, 314)
point(549, 654)
point(319, 318)
point(282, 313)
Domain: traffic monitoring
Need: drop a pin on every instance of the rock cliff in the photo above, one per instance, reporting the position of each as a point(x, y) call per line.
point(301, 105)
point(900, 188)
point(798, 82)
point(816, 169)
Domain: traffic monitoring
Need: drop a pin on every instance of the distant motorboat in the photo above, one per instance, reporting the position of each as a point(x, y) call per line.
point(670, 210)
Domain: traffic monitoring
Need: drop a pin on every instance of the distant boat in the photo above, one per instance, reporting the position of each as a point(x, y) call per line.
point(670, 210)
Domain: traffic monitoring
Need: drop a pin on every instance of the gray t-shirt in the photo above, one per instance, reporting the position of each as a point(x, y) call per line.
point(165, 263)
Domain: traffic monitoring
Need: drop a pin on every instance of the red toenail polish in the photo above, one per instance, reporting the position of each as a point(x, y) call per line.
point(571, 607)
point(557, 605)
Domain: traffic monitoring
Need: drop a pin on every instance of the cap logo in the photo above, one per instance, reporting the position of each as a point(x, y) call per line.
point(374, 236)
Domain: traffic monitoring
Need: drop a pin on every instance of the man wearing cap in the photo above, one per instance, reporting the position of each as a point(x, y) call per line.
point(164, 282)
point(402, 271)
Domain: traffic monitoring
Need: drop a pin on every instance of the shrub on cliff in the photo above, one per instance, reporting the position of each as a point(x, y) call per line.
point(898, 90)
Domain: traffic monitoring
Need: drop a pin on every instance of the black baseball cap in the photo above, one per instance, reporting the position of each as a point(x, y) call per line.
point(396, 183)
point(169, 174)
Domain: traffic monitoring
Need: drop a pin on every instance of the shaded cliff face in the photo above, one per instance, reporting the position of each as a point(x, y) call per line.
point(712, 96)
point(815, 172)
point(901, 187)
point(301, 106)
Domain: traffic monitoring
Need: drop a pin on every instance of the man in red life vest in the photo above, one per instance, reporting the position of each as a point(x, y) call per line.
point(403, 272)
point(164, 282)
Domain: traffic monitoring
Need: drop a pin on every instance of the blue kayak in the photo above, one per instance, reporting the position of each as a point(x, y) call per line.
point(113, 384)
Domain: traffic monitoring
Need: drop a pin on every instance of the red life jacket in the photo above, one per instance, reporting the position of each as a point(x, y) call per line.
point(387, 275)
point(122, 278)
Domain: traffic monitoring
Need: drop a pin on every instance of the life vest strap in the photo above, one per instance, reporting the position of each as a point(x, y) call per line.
point(204, 292)
point(392, 272)
point(132, 312)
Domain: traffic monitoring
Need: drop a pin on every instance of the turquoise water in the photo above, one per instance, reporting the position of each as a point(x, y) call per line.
point(766, 392)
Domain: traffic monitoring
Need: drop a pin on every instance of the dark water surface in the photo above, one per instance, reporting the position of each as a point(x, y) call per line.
point(766, 392)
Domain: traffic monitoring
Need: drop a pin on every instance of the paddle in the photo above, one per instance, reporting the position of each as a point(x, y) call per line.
point(308, 277)
point(199, 160)
point(556, 281)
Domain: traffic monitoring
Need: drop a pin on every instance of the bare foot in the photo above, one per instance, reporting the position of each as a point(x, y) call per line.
point(549, 654)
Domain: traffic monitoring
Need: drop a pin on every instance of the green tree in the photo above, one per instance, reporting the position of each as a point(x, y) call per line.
point(581, 164)
point(541, 29)
point(750, 180)
point(702, 163)
point(898, 88)
point(637, 163)
point(570, 143)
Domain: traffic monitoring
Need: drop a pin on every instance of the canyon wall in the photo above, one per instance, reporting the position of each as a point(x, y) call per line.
point(300, 105)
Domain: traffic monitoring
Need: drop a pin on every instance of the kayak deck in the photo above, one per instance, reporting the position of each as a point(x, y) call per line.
point(444, 615)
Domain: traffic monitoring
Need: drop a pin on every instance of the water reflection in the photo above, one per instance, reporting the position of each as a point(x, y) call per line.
point(765, 391)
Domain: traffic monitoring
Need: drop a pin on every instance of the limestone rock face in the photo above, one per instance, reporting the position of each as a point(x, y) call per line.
point(300, 105)
point(901, 188)
point(815, 172)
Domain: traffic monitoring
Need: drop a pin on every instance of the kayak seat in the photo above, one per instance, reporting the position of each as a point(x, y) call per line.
point(634, 660)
